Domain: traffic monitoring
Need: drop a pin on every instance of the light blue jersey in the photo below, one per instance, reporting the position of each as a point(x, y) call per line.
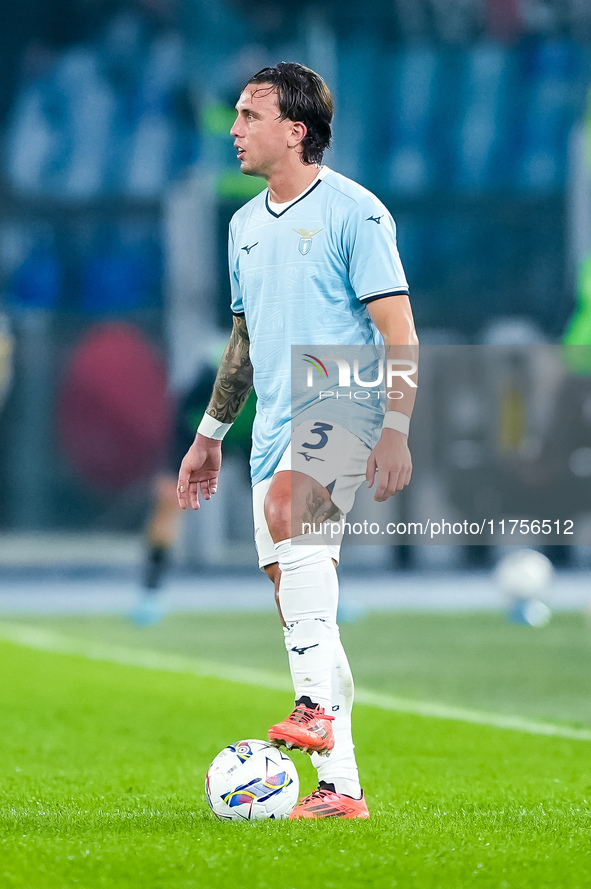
point(304, 276)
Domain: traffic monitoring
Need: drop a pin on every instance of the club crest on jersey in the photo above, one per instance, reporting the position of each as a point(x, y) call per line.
point(305, 244)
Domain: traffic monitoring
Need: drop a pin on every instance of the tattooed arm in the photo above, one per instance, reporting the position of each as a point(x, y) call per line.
point(202, 463)
point(234, 377)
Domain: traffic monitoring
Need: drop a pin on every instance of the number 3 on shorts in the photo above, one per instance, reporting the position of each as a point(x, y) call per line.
point(319, 429)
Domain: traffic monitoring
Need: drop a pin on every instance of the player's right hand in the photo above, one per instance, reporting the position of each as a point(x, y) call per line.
point(199, 471)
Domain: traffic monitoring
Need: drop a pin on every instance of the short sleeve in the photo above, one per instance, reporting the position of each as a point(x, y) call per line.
point(375, 269)
point(236, 303)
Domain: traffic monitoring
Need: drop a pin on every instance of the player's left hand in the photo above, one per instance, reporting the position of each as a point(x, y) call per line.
point(392, 461)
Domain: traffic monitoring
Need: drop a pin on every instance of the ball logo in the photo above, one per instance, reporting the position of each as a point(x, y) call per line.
point(242, 750)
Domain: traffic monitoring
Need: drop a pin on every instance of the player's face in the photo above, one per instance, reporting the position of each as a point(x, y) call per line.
point(262, 141)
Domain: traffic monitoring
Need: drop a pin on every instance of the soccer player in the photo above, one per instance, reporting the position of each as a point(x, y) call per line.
point(163, 527)
point(6, 357)
point(313, 260)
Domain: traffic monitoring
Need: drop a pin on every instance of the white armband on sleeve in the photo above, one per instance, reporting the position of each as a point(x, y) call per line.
point(396, 420)
point(212, 428)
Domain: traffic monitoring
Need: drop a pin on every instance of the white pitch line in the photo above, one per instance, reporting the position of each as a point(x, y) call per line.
point(48, 640)
point(477, 717)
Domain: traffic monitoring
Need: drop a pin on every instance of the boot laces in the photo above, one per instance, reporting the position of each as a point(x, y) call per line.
point(319, 795)
point(304, 715)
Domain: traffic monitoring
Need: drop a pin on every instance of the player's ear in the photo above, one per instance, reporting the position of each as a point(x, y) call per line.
point(296, 135)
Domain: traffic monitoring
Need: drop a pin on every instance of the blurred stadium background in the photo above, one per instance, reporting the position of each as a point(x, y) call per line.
point(469, 118)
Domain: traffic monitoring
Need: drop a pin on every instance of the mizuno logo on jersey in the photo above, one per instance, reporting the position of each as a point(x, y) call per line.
point(248, 249)
point(305, 244)
point(375, 218)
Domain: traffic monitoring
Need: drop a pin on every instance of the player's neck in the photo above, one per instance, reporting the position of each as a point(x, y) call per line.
point(287, 183)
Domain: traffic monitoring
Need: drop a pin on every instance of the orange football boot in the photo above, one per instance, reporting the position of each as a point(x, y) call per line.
point(307, 729)
point(326, 803)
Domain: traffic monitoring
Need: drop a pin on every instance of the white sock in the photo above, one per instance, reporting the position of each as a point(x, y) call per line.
point(308, 595)
point(340, 768)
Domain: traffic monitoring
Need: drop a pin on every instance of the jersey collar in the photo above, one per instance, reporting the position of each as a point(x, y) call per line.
point(321, 174)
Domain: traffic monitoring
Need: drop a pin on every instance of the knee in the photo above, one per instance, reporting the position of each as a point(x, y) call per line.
point(278, 514)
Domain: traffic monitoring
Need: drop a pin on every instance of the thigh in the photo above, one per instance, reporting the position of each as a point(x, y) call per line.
point(262, 536)
point(332, 456)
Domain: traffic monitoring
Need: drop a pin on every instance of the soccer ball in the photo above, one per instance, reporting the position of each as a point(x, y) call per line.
point(525, 572)
point(251, 780)
point(523, 576)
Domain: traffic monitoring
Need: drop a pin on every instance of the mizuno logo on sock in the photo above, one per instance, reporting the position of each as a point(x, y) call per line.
point(302, 650)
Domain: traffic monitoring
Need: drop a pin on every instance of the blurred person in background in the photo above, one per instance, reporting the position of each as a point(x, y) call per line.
point(6, 355)
point(164, 522)
point(313, 259)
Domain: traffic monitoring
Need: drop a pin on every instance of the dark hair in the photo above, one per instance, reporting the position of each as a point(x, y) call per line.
point(302, 95)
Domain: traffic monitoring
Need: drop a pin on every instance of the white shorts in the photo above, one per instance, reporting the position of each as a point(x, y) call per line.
point(326, 452)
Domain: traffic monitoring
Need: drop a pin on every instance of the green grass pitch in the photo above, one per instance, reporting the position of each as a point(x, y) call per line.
point(102, 764)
